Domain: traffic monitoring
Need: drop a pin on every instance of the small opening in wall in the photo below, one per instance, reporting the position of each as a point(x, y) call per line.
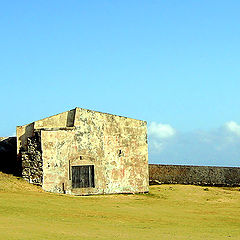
point(63, 188)
point(81, 157)
point(120, 153)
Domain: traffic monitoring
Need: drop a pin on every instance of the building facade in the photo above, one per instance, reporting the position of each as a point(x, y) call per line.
point(85, 152)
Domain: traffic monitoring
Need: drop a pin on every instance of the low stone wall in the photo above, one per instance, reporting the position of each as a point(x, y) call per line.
point(197, 175)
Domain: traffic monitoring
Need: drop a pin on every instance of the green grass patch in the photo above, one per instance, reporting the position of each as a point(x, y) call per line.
point(167, 212)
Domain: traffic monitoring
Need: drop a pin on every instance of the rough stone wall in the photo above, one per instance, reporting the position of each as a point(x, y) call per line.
point(116, 146)
point(198, 175)
point(32, 160)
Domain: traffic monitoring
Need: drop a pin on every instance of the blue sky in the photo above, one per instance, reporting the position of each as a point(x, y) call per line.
point(174, 64)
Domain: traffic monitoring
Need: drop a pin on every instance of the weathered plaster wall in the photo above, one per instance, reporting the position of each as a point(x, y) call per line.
point(97, 140)
point(23, 133)
point(61, 120)
point(198, 175)
point(127, 171)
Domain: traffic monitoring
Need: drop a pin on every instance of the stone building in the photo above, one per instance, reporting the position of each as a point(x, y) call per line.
point(85, 152)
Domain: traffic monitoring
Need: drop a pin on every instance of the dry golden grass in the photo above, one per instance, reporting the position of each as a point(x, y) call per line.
point(167, 212)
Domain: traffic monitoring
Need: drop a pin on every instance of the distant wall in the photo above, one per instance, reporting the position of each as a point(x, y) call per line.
point(197, 175)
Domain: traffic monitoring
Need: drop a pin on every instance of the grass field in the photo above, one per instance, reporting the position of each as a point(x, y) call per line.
point(167, 212)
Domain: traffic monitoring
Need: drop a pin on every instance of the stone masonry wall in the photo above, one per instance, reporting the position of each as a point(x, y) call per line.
point(32, 160)
point(197, 175)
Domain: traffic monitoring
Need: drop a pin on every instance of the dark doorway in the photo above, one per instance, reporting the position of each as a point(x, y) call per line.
point(83, 176)
point(8, 156)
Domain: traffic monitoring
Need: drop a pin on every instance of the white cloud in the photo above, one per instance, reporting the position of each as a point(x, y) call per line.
point(158, 146)
point(233, 127)
point(161, 131)
point(219, 146)
point(159, 136)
